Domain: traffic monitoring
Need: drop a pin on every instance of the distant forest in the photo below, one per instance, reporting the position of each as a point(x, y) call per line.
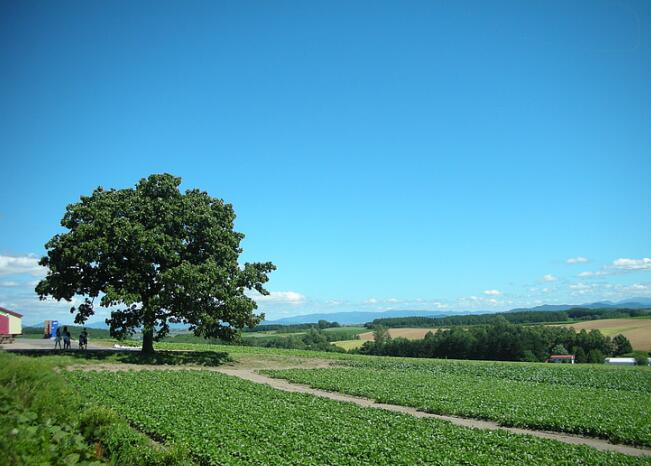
point(501, 341)
point(279, 328)
point(525, 317)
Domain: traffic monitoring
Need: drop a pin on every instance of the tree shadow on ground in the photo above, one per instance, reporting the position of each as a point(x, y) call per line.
point(174, 358)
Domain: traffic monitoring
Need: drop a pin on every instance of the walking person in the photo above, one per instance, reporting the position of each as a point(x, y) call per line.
point(66, 338)
point(83, 339)
point(57, 338)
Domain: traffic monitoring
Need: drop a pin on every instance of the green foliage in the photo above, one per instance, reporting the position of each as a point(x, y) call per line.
point(37, 416)
point(614, 403)
point(596, 357)
point(168, 358)
point(124, 445)
point(622, 345)
point(499, 341)
point(225, 420)
point(292, 328)
point(162, 256)
point(641, 358)
point(314, 339)
point(524, 317)
point(559, 349)
point(381, 335)
point(580, 356)
point(43, 420)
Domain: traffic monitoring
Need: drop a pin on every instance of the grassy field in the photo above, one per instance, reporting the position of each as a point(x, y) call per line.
point(606, 401)
point(209, 418)
point(44, 420)
point(349, 344)
point(613, 405)
point(637, 330)
point(225, 420)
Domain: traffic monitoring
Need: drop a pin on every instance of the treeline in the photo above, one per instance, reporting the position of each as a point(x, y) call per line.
point(278, 328)
point(315, 339)
point(524, 317)
point(501, 341)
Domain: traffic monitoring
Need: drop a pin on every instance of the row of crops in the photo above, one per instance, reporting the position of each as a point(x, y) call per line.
point(224, 420)
point(590, 376)
point(614, 404)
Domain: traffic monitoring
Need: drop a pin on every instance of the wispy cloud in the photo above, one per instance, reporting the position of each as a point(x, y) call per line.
point(20, 265)
point(9, 284)
point(577, 260)
point(581, 286)
point(492, 292)
point(632, 264)
point(637, 287)
point(598, 273)
point(550, 278)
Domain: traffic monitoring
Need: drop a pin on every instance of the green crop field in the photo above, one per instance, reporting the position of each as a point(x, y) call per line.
point(348, 344)
point(224, 420)
point(613, 403)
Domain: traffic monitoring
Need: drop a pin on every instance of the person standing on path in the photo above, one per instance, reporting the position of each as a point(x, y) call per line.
point(66, 338)
point(57, 339)
point(83, 339)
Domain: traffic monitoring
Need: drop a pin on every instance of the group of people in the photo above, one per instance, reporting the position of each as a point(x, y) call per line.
point(66, 337)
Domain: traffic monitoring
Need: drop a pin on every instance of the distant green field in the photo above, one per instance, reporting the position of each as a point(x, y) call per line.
point(349, 344)
point(225, 420)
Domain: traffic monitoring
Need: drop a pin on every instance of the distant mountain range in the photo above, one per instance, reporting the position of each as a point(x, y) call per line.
point(631, 303)
point(354, 317)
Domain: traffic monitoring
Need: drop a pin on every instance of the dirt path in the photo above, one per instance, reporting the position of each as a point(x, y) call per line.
point(284, 385)
point(251, 374)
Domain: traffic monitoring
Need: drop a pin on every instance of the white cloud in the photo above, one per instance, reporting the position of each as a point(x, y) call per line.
point(577, 260)
point(280, 297)
point(639, 287)
point(599, 273)
point(632, 264)
point(581, 286)
point(550, 278)
point(493, 292)
point(371, 301)
point(392, 300)
point(18, 265)
point(479, 301)
point(9, 284)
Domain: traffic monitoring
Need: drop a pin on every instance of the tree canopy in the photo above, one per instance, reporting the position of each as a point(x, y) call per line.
point(156, 256)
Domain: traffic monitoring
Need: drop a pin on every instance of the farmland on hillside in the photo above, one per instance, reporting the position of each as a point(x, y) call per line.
point(224, 420)
point(410, 333)
point(613, 403)
point(637, 330)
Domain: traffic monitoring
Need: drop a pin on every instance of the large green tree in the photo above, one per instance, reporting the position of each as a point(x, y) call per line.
point(156, 256)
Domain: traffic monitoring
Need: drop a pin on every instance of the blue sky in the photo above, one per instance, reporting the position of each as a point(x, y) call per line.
point(385, 155)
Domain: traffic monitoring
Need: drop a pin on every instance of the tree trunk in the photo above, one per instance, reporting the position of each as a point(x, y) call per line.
point(148, 340)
